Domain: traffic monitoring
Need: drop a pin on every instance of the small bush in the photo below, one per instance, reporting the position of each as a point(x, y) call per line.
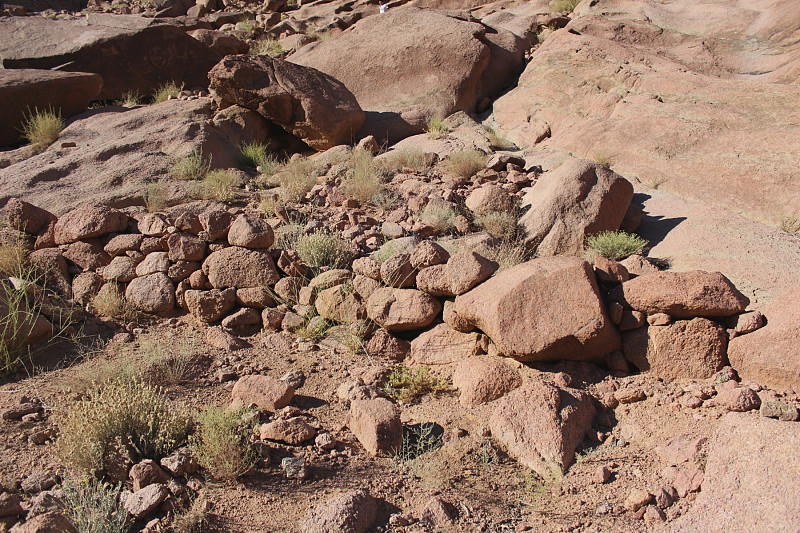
point(163, 93)
point(465, 163)
point(499, 142)
point(561, 6)
point(602, 158)
point(499, 224)
point(166, 362)
point(129, 99)
point(323, 249)
point(436, 128)
point(219, 185)
point(364, 179)
point(192, 519)
point(267, 46)
point(110, 302)
point(406, 384)
point(616, 245)
point(418, 440)
point(415, 160)
point(42, 128)
point(125, 412)
point(296, 179)
point(440, 216)
point(222, 445)
point(92, 506)
point(191, 167)
point(155, 197)
point(254, 155)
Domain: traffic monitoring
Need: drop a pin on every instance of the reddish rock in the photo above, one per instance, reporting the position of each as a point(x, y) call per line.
point(545, 309)
point(224, 44)
point(437, 513)
point(365, 286)
point(542, 425)
point(251, 232)
point(385, 344)
point(152, 224)
point(331, 278)
point(85, 286)
point(185, 247)
point(402, 309)
point(209, 306)
point(216, 223)
point(288, 289)
point(19, 214)
point(219, 338)
point(292, 431)
point(376, 424)
point(154, 293)
point(682, 294)
point(180, 462)
point(87, 222)
point(483, 379)
point(462, 272)
point(339, 304)
point(146, 473)
point(748, 322)
point(143, 502)
point(121, 268)
point(428, 253)
point(739, 399)
point(256, 297)
point(152, 263)
point(240, 268)
point(242, 318)
point(398, 272)
point(442, 345)
point(684, 448)
point(366, 266)
point(89, 255)
point(119, 244)
point(490, 198)
point(51, 522)
point(346, 512)
point(610, 271)
point(267, 393)
point(684, 349)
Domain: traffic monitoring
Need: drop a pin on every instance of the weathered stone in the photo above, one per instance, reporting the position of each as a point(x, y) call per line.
point(267, 393)
point(442, 345)
point(376, 424)
point(209, 306)
point(152, 294)
point(292, 431)
point(402, 309)
point(240, 268)
point(347, 512)
point(483, 379)
point(88, 222)
point(251, 232)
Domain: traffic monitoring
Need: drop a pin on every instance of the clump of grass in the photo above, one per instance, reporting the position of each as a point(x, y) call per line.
point(13, 258)
point(42, 128)
point(127, 412)
point(602, 158)
point(364, 179)
point(219, 185)
point(440, 216)
point(790, 224)
point(561, 6)
point(155, 196)
point(266, 46)
point(19, 313)
point(287, 235)
point(191, 167)
point(222, 445)
point(615, 245)
point(407, 384)
point(323, 249)
point(129, 99)
point(255, 155)
point(415, 160)
point(93, 506)
point(508, 254)
point(110, 302)
point(167, 362)
point(499, 224)
point(498, 141)
point(436, 128)
point(418, 440)
point(193, 518)
point(164, 92)
point(465, 163)
point(296, 179)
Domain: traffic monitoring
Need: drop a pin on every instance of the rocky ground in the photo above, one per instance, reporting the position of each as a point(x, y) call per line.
point(389, 314)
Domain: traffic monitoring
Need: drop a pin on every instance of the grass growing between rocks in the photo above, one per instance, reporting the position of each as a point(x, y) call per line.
point(122, 413)
point(436, 128)
point(220, 185)
point(221, 444)
point(499, 224)
point(296, 179)
point(561, 6)
point(615, 245)
point(408, 384)
point(790, 224)
point(93, 506)
point(498, 141)
point(266, 46)
point(42, 128)
point(440, 216)
point(129, 99)
point(155, 197)
point(164, 92)
point(191, 167)
point(323, 249)
point(255, 155)
point(364, 180)
point(465, 163)
point(193, 518)
point(418, 440)
point(602, 158)
point(110, 302)
point(415, 160)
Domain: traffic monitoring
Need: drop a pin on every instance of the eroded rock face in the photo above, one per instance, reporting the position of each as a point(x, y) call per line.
point(566, 205)
point(751, 478)
point(543, 310)
point(312, 106)
point(541, 425)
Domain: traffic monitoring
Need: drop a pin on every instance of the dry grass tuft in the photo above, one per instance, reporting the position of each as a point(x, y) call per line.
point(220, 185)
point(110, 302)
point(42, 128)
point(191, 167)
point(364, 180)
point(163, 93)
point(267, 46)
point(415, 160)
point(155, 196)
point(465, 163)
point(436, 128)
point(440, 216)
point(323, 249)
point(93, 506)
point(407, 384)
point(296, 179)
point(222, 444)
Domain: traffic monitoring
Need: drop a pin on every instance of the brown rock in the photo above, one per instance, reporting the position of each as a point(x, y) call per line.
point(19, 214)
point(143, 502)
point(684, 349)
point(267, 393)
point(365, 286)
point(402, 309)
point(682, 294)
point(154, 293)
point(219, 338)
point(376, 424)
point(152, 263)
point(442, 345)
point(223, 44)
point(462, 272)
point(483, 379)
point(152, 224)
point(739, 399)
point(242, 318)
point(428, 253)
point(331, 278)
point(637, 499)
point(251, 232)
point(209, 306)
point(398, 272)
point(240, 268)
point(121, 268)
point(146, 473)
point(368, 267)
point(87, 222)
point(437, 513)
point(50, 522)
point(610, 271)
point(85, 286)
point(347, 512)
point(89, 255)
point(256, 297)
point(489, 199)
point(339, 304)
point(119, 244)
point(385, 344)
point(292, 431)
point(216, 223)
point(545, 309)
point(307, 103)
point(541, 425)
point(185, 247)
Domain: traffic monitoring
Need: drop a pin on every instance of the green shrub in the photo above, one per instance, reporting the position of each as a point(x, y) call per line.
point(191, 167)
point(406, 384)
point(163, 93)
point(222, 444)
point(93, 506)
point(616, 245)
point(155, 196)
point(418, 440)
point(465, 163)
point(561, 6)
point(125, 412)
point(219, 185)
point(323, 249)
point(364, 180)
point(42, 128)
point(255, 155)
point(296, 179)
point(436, 128)
point(268, 46)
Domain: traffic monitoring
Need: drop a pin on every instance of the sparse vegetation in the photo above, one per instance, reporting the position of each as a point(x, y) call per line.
point(418, 440)
point(127, 413)
point(130, 99)
point(192, 518)
point(407, 384)
point(287, 235)
point(602, 158)
point(93, 506)
point(110, 302)
point(267, 46)
point(323, 249)
point(296, 179)
point(415, 160)
point(499, 142)
point(255, 155)
point(13, 258)
point(510, 253)
point(616, 245)
point(192, 167)
point(164, 92)
point(790, 224)
point(364, 179)
point(436, 128)
point(19, 313)
point(42, 128)
point(221, 444)
point(155, 196)
point(562, 6)
point(465, 163)
point(500, 224)
point(219, 185)
point(440, 216)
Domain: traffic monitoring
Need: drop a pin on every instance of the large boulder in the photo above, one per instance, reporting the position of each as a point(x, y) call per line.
point(751, 479)
point(131, 53)
point(153, 293)
point(402, 309)
point(410, 64)
point(541, 425)
point(770, 355)
point(307, 103)
point(240, 268)
point(685, 349)
point(25, 90)
point(542, 310)
point(87, 222)
point(462, 272)
point(682, 294)
point(566, 205)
